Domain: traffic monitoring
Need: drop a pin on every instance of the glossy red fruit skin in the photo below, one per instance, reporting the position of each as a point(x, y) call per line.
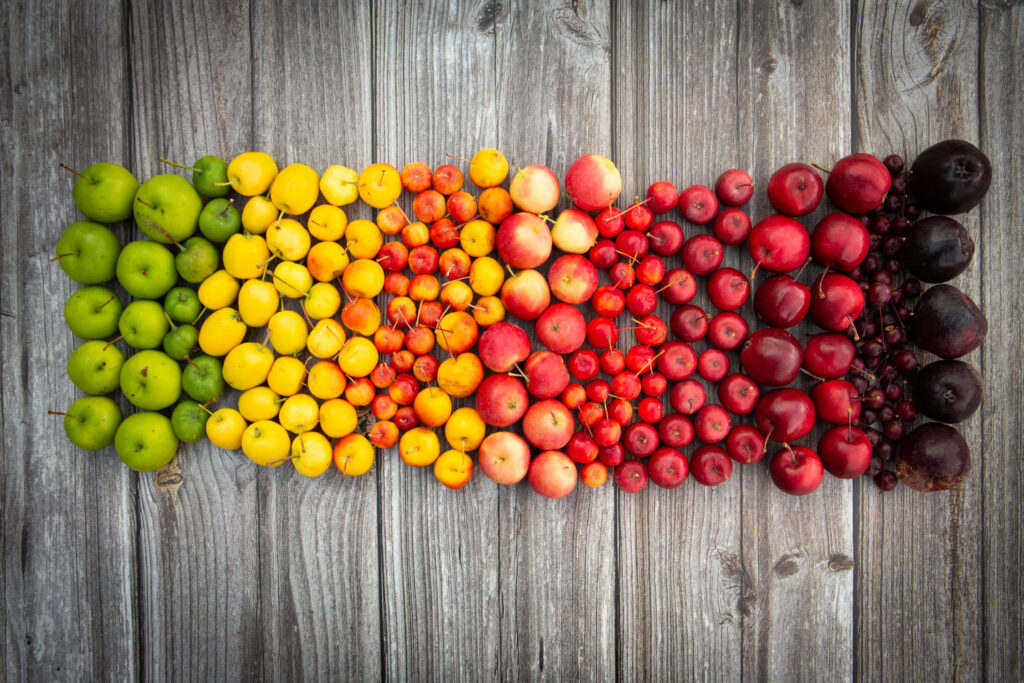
point(771, 356)
point(641, 299)
point(731, 226)
point(739, 394)
point(602, 333)
point(836, 301)
point(640, 439)
point(734, 187)
point(713, 365)
point(638, 217)
point(698, 204)
point(797, 470)
point(668, 468)
point(632, 243)
point(836, 401)
point(679, 286)
point(785, 414)
point(689, 323)
point(712, 423)
point(625, 385)
point(858, 183)
point(710, 465)
point(651, 330)
point(666, 238)
point(829, 355)
point(584, 364)
point(845, 452)
point(650, 410)
point(639, 358)
point(728, 289)
point(621, 411)
point(622, 275)
point(611, 456)
point(607, 432)
point(631, 476)
point(581, 448)
point(727, 331)
point(702, 254)
point(687, 397)
point(840, 242)
point(602, 254)
point(563, 341)
point(609, 222)
point(677, 361)
point(781, 301)
point(745, 444)
point(650, 270)
point(662, 196)
point(653, 384)
point(779, 244)
point(795, 189)
point(608, 301)
point(675, 430)
point(612, 361)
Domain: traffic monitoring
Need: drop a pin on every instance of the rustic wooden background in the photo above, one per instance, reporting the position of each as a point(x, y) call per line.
point(221, 571)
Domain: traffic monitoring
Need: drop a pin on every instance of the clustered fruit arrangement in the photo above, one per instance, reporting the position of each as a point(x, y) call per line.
point(311, 327)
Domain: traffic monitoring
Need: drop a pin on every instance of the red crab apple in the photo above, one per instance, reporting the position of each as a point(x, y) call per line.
point(592, 182)
point(523, 240)
point(502, 345)
point(611, 456)
point(731, 226)
point(668, 468)
point(675, 430)
point(607, 432)
point(650, 330)
point(631, 476)
point(622, 275)
point(621, 411)
point(689, 323)
point(553, 474)
point(796, 470)
point(504, 457)
point(582, 448)
point(641, 299)
point(501, 400)
point(632, 244)
point(858, 183)
point(836, 301)
point(640, 439)
point(745, 444)
point(785, 415)
point(573, 279)
point(728, 289)
point(840, 242)
point(727, 330)
point(638, 217)
point(650, 410)
point(795, 189)
point(677, 361)
point(779, 244)
point(548, 424)
point(782, 301)
point(608, 301)
point(739, 394)
point(772, 356)
point(702, 254)
point(650, 270)
point(734, 187)
point(610, 222)
point(710, 465)
point(602, 333)
point(561, 328)
point(829, 355)
point(845, 451)
point(662, 197)
point(687, 397)
point(836, 401)
point(534, 189)
point(583, 364)
point(525, 294)
point(666, 237)
point(680, 287)
point(712, 423)
point(546, 375)
point(698, 204)
point(574, 232)
point(603, 254)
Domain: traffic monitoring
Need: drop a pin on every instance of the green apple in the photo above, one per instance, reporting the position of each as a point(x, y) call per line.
point(220, 220)
point(104, 192)
point(180, 342)
point(189, 421)
point(209, 175)
point(167, 208)
point(197, 260)
point(340, 185)
point(202, 379)
point(151, 380)
point(182, 304)
point(146, 441)
point(143, 324)
point(95, 367)
point(88, 253)
point(146, 269)
point(92, 312)
point(90, 422)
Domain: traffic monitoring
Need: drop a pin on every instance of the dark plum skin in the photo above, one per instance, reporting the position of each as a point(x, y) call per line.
point(948, 390)
point(948, 323)
point(933, 457)
point(937, 249)
point(951, 176)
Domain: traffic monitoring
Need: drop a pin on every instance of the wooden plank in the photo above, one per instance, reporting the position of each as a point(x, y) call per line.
point(918, 554)
point(67, 534)
point(1002, 213)
point(319, 583)
point(433, 93)
point(557, 557)
point(686, 81)
point(198, 531)
point(794, 90)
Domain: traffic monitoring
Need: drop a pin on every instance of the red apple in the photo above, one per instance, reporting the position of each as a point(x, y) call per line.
point(525, 294)
point(796, 470)
point(504, 457)
point(523, 240)
point(592, 182)
point(572, 278)
point(546, 375)
point(552, 474)
point(501, 400)
point(668, 468)
point(561, 328)
point(574, 232)
point(534, 189)
point(548, 424)
point(502, 345)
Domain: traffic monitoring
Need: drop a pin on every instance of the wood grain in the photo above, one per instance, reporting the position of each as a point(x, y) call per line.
point(433, 94)
point(557, 577)
point(68, 517)
point(319, 574)
point(915, 72)
point(997, 463)
point(662, 96)
point(198, 526)
point(794, 90)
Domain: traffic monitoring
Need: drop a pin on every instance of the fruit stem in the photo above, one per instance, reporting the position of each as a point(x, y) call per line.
point(823, 170)
point(171, 163)
point(164, 233)
point(856, 336)
point(142, 201)
point(115, 339)
point(281, 460)
point(57, 412)
point(459, 158)
point(168, 317)
point(68, 168)
point(112, 297)
point(60, 256)
point(811, 374)
point(676, 279)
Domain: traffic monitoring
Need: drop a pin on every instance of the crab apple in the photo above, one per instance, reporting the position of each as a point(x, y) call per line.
point(734, 187)
point(415, 176)
point(650, 270)
point(462, 206)
point(404, 389)
point(382, 376)
point(594, 474)
point(504, 457)
point(739, 394)
point(402, 361)
point(598, 390)
point(447, 179)
point(611, 456)
point(845, 451)
point(396, 284)
point(795, 189)
point(650, 410)
point(405, 419)
point(676, 360)
point(423, 260)
point(668, 468)
point(702, 254)
point(710, 465)
point(608, 301)
point(840, 242)
point(561, 328)
point(621, 411)
point(607, 432)
point(454, 263)
point(666, 238)
point(797, 470)
point(574, 232)
point(836, 401)
point(582, 448)
point(779, 244)
point(858, 183)
point(829, 355)
point(641, 299)
point(727, 331)
point(638, 217)
point(713, 365)
point(712, 423)
point(785, 414)
point(631, 476)
point(731, 226)
point(572, 279)
point(393, 256)
point(534, 189)
point(573, 396)
point(745, 444)
point(592, 182)
point(680, 287)
point(523, 240)
point(590, 413)
point(425, 368)
point(639, 358)
point(502, 345)
point(388, 339)
point(546, 376)
point(612, 361)
point(429, 206)
point(728, 289)
point(836, 301)
point(622, 275)
point(610, 222)
point(651, 330)
point(501, 400)
point(626, 385)
point(689, 323)
point(552, 474)
point(640, 439)
point(548, 425)
point(383, 407)
point(603, 254)
point(526, 294)
point(662, 196)
point(602, 333)
point(444, 234)
point(782, 301)
point(687, 397)
point(772, 356)
point(583, 364)
point(415, 234)
point(430, 313)
point(698, 204)
point(675, 430)
point(632, 244)
point(653, 384)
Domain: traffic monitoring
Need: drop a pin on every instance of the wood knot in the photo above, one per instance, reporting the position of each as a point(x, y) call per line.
point(168, 478)
point(768, 66)
point(787, 566)
point(838, 562)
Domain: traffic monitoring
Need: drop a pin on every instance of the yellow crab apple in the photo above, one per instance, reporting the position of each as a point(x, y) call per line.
point(337, 418)
point(477, 238)
point(218, 290)
point(245, 256)
point(323, 301)
point(327, 223)
point(459, 376)
point(457, 296)
point(225, 428)
point(454, 469)
point(247, 365)
point(488, 310)
point(295, 189)
point(288, 240)
point(288, 332)
point(287, 376)
point(432, 406)
point(326, 260)
point(353, 455)
point(457, 332)
point(465, 429)
point(251, 173)
point(419, 447)
point(292, 279)
point(325, 380)
point(391, 220)
point(258, 300)
point(222, 331)
point(357, 357)
point(266, 443)
point(415, 235)
point(488, 168)
point(325, 339)
point(259, 403)
point(339, 184)
point(363, 277)
point(380, 185)
point(299, 413)
point(363, 239)
point(486, 276)
point(311, 454)
point(258, 214)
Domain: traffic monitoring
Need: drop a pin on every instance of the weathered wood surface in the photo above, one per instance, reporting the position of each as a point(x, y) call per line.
point(220, 571)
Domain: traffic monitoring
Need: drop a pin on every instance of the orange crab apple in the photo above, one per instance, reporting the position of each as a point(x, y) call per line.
point(430, 312)
point(594, 474)
point(379, 185)
point(523, 240)
point(353, 455)
point(337, 418)
point(429, 206)
point(477, 238)
point(326, 260)
point(384, 434)
point(432, 406)
point(415, 235)
point(383, 375)
point(504, 457)
point(391, 220)
point(402, 361)
point(553, 474)
point(416, 176)
point(404, 389)
point(444, 233)
point(459, 376)
point(488, 310)
point(534, 189)
point(454, 469)
point(457, 296)
point(447, 179)
point(388, 340)
point(419, 447)
point(457, 332)
point(362, 316)
point(424, 288)
point(425, 368)
point(401, 311)
point(454, 263)
point(396, 284)
point(360, 391)
point(423, 260)
point(461, 206)
point(419, 339)
point(494, 205)
point(383, 407)
point(526, 294)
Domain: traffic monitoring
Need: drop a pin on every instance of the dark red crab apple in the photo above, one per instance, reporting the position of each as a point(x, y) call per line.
point(836, 301)
point(782, 301)
point(845, 451)
point(795, 189)
point(797, 470)
point(772, 356)
point(858, 183)
point(668, 468)
point(734, 187)
point(779, 244)
point(785, 414)
point(840, 242)
point(710, 465)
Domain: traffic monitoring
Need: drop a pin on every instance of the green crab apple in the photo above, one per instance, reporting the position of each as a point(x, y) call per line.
point(197, 260)
point(92, 312)
point(182, 305)
point(95, 367)
point(209, 175)
point(91, 422)
point(88, 253)
point(146, 441)
point(219, 220)
point(167, 208)
point(189, 421)
point(104, 192)
point(146, 269)
point(181, 341)
point(202, 379)
point(143, 324)
point(151, 380)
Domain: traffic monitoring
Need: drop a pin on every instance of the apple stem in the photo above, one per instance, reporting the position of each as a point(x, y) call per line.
point(635, 205)
point(459, 158)
point(764, 448)
point(821, 282)
point(823, 170)
point(800, 272)
point(169, 321)
point(395, 204)
point(115, 339)
point(281, 460)
point(754, 271)
point(632, 259)
point(57, 412)
point(224, 213)
point(112, 297)
point(68, 168)
point(164, 233)
point(676, 279)
point(60, 256)
point(650, 363)
point(200, 315)
point(142, 201)
point(510, 271)
point(792, 453)
point(811, 374)
point(856, 336)
point(202, 406)
point(171, 163)
point(546, 218)
point(202, 373)
point(302, 305)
